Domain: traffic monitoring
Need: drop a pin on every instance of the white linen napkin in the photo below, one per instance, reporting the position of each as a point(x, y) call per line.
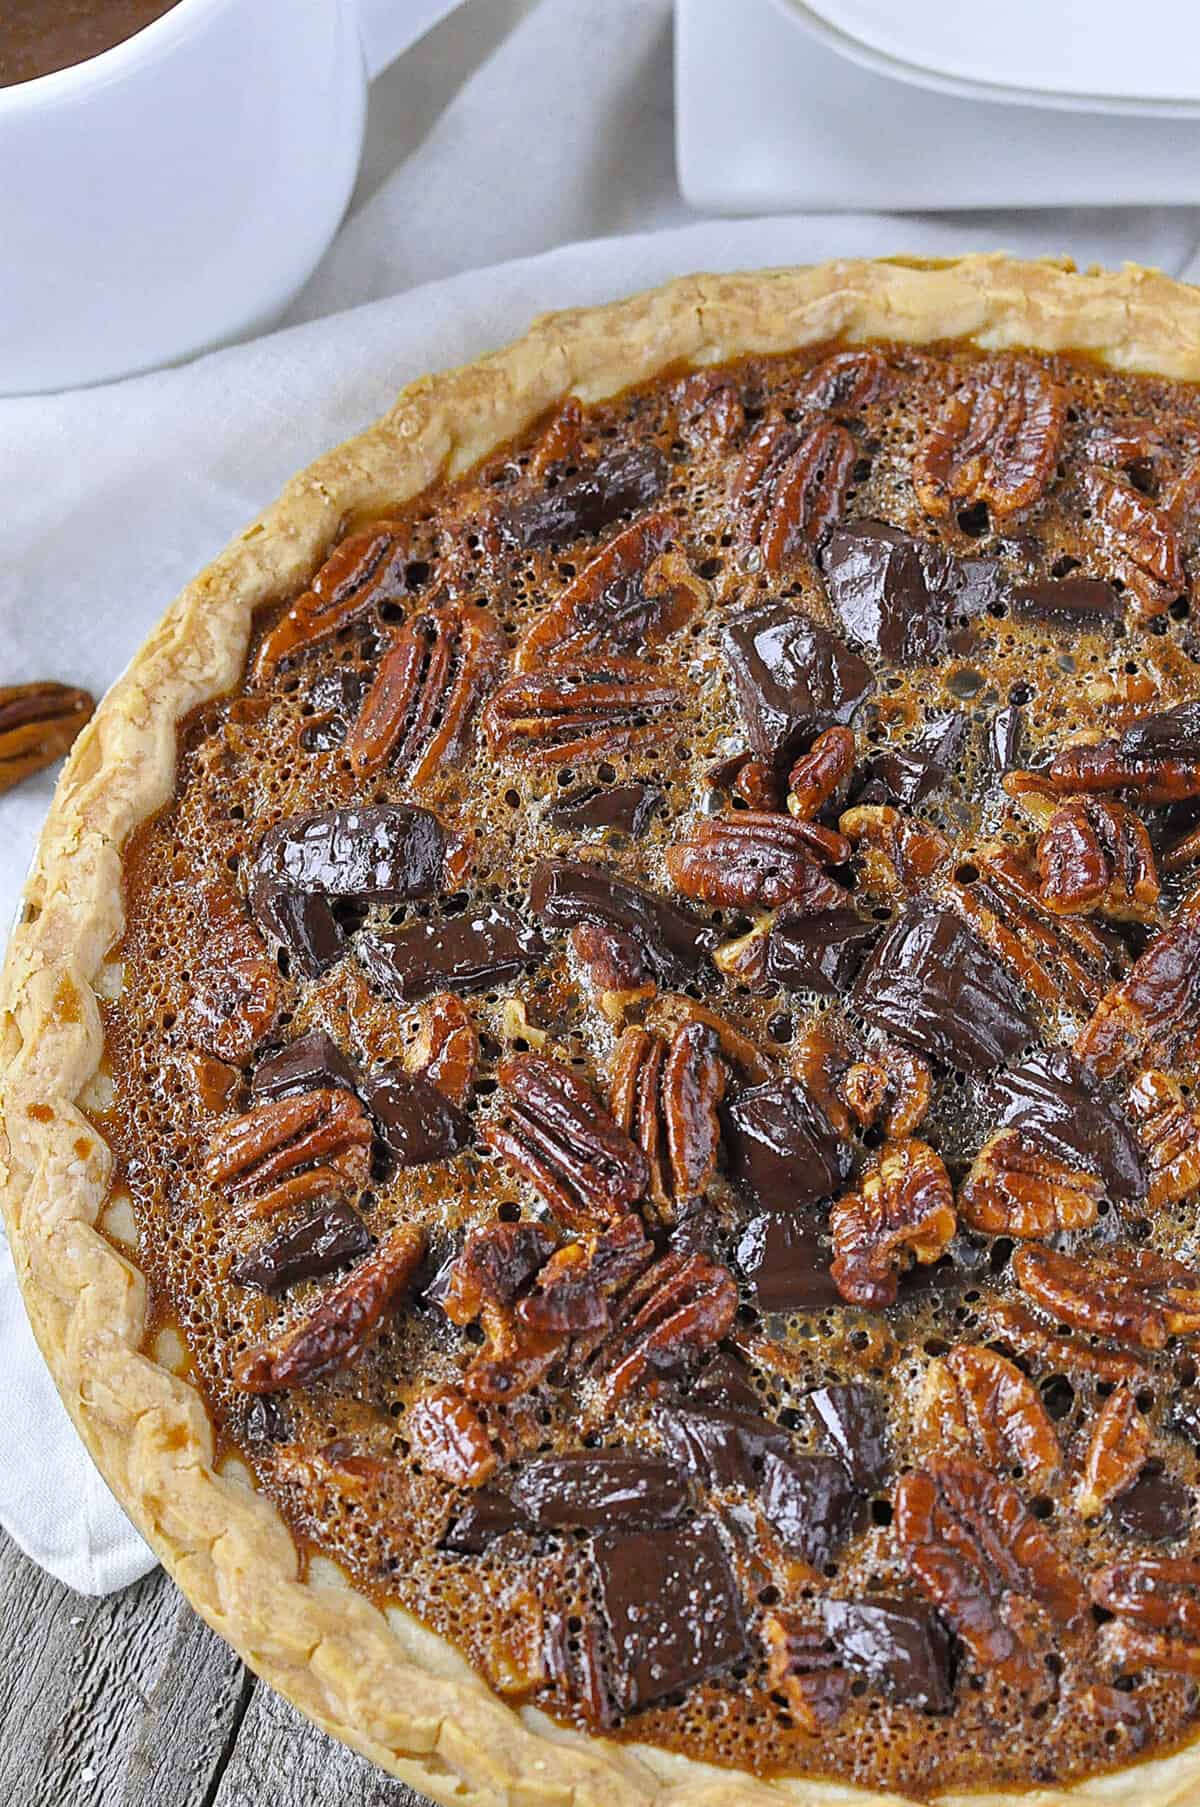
point(115, 496)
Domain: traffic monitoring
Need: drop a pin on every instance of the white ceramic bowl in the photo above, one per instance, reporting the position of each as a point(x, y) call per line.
point(178, 190)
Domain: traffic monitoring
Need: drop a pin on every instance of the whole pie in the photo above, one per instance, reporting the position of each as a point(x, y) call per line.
point(599, 1120)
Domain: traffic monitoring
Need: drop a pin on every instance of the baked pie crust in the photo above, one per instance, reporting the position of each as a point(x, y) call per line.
point(377, 1679)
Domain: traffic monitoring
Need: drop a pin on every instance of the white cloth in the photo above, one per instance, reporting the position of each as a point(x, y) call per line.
point(512, 128)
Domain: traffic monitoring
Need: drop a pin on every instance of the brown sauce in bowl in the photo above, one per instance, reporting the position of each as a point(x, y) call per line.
point(39, 36)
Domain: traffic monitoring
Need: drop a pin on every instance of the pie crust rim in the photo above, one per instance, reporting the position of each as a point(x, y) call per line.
point(381, 1682)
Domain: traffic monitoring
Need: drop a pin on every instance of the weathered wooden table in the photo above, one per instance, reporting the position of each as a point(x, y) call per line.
point(131, 1701)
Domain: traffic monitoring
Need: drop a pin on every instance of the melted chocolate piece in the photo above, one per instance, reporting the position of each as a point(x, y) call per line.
point(460, 953)
point(698, 1230)
point(487, 1515)
point(265, 1421)
point(899, 595)
point(786, 1265)
point(818, 953)
point(1184, 1418)
point(381, 853)
point(792, 678)
point(336, 698)
point(907, 775)
point(623, 808)
point(782, 1149)
point(1052, 1098)
point(335, 1236)
point(672, 1609)
point(900, 1647)
point(1006, 739)
point(600, 1490)
point(581, 506)
point(1169, 734)
point(932, 984)
point(304, 925)
point(809, 1503)
point(674, 942)
point(311, 1063)
point(1068, 599)
point(726, 1381)
point(719, 1447)
point(853, 1418)
point(415, 1122)
point(1156, 1509)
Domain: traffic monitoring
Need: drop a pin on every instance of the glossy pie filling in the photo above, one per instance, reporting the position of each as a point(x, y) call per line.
point(654, 1064)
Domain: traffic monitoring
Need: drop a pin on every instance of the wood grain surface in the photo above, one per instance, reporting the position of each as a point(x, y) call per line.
point(131, 1701)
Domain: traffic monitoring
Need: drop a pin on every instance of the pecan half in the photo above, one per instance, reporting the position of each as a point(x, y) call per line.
point(996, 441)
point(843, 383)
point(633, 594)
point(356, 575)
point(681, 1306)
point(1094, 763)
point(418, 712)
point(614, 964)
point(803, 1666)
point(665, 1094)
point(1156, 1002)
point(556, 1133)
point(755, 859)
point(1117, 1453)
point(1058, 959)
point(1016, 1188)
point(1051, 1352)
point(1133, 1295)
point(1157, 1603)
point(1141, 540)
point(592, 706)
point(446, 1048)
point(1168, 1129)
point(981, 1556)
point(449, 1438)
point(336, 1331)
point(559, 440)
point(889, 1087)
point(1095, 854)
point(293, 1148)
point(821, 776)
point(903, 1210)
point(234, 1006)
point(896, 854)
point(38, 724)
point(709, 408)
point(791, 489)
point(976, 1400)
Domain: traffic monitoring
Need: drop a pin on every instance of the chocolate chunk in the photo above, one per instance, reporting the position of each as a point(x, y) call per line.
point(907, 775)
point(792, 678)
point(1156, 1509)
point(1006, 739)
point(1184, 1418)
point(1068, 599)
point(265, 1421)
point(468, 953)
point(697, 1230)
point(623, 808)
point(332, 1238)
point(600, 1490)
point(719, 1447)
point(782, 1149)
point(809, 1503)
point(335, 700)
point(672, 1608)
point(304, 925)
point(487, 1515)
point(1169, 734)
point(674, 942)
point(728, 1382)
point(311, 1063)
point(932, 984)
point(381, 853)
point(416, 1123)
point(853, 1418)
point(593, 498)
point(899, 595)
point(900, 1647)
point(1052, 1098)
point(786, 1265)
point(818, 953)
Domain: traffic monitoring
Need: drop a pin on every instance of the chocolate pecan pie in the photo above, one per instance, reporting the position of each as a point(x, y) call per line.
point(599, 1113)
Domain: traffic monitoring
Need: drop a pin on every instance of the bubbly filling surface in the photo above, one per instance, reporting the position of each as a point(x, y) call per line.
point(655, 1055)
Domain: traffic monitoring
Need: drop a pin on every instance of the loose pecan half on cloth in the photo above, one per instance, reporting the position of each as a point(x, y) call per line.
point(38, 724)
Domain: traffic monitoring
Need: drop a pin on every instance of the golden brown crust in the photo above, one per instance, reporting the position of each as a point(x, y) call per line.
point(378, 1680)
